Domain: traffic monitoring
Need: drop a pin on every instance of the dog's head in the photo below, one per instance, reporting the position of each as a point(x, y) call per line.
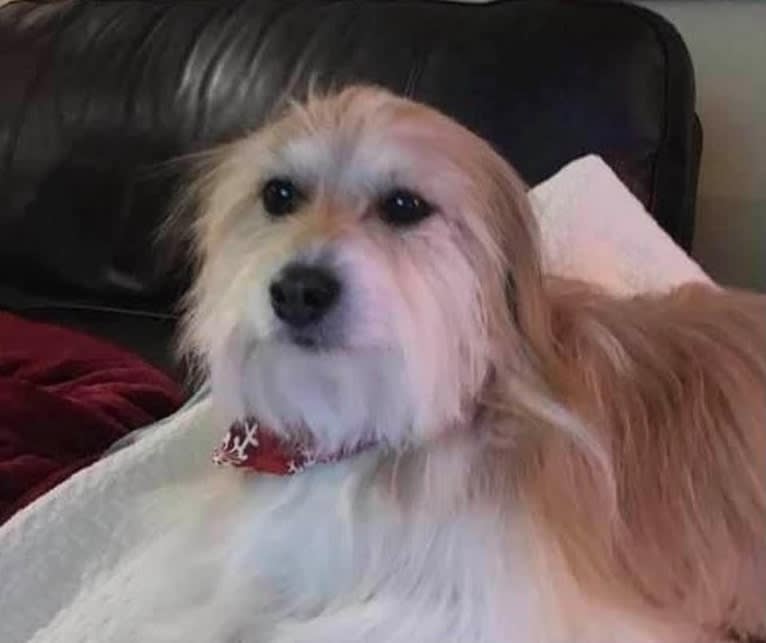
point(356, 256)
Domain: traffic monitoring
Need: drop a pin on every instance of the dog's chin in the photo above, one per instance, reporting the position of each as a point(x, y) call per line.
point(343, 395)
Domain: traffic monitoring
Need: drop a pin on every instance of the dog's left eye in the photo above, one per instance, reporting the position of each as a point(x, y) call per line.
point(402, 207)
point(280, 197)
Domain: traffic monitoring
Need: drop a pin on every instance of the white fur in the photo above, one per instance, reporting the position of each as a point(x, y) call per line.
point(324, 557)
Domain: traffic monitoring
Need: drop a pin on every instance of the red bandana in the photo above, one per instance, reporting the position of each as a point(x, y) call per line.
point(252, 446)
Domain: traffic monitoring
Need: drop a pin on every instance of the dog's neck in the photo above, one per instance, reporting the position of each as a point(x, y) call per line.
point(253, 445)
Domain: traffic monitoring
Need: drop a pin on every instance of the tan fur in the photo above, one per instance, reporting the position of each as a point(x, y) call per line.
point(675, 386)
point(672, 390)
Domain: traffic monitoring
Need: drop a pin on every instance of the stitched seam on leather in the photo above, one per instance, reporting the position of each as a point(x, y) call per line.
point(676, 220)
point(662, 147)
point(96, 308)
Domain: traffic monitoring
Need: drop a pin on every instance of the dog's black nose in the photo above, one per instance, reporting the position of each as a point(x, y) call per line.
point(302, 295)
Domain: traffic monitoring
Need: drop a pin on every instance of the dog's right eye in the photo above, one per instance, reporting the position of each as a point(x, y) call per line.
point(404, 208)
point(280, 197)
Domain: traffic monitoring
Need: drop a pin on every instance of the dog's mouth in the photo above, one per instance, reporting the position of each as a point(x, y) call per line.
point(306, 341)
point(327, 334)
point(309, 339)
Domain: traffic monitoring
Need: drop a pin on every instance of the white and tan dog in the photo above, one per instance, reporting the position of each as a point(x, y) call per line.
point(499, 457)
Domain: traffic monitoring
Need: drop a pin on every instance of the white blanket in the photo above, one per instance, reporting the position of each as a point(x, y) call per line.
point(56, 556)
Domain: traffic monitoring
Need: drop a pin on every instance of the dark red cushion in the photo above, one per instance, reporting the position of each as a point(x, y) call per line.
point(65, 398)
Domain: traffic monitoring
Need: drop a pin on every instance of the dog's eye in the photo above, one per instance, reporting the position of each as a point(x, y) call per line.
point(402, 207)
point(280, 197)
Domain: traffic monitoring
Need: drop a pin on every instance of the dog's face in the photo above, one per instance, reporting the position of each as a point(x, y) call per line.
point(354, 263)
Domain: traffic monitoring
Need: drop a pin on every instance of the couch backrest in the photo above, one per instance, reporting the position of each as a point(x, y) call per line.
point(94, 96)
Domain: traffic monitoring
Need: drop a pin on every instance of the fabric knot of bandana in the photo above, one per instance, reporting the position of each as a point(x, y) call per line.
point(249, 445)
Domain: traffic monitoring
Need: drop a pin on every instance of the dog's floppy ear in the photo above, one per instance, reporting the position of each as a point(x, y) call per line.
point(513, 226)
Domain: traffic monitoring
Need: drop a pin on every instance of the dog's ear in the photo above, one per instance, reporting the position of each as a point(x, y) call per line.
point(514, 228)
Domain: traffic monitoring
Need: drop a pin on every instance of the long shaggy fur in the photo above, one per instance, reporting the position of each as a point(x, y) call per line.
point(674, 389)
point(557, 465)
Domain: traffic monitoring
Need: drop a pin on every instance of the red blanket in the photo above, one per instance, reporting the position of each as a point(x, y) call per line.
point(64, 399)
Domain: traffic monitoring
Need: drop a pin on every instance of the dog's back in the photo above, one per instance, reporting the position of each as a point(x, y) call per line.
point(675, 388)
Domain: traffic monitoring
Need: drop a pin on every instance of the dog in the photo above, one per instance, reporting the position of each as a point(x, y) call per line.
point(471, 451)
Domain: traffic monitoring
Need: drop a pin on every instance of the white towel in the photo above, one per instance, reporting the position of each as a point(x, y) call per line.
point(56, 556)
point(594, 229)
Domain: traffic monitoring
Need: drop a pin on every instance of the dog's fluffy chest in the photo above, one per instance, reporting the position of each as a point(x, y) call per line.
point(328, 555)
